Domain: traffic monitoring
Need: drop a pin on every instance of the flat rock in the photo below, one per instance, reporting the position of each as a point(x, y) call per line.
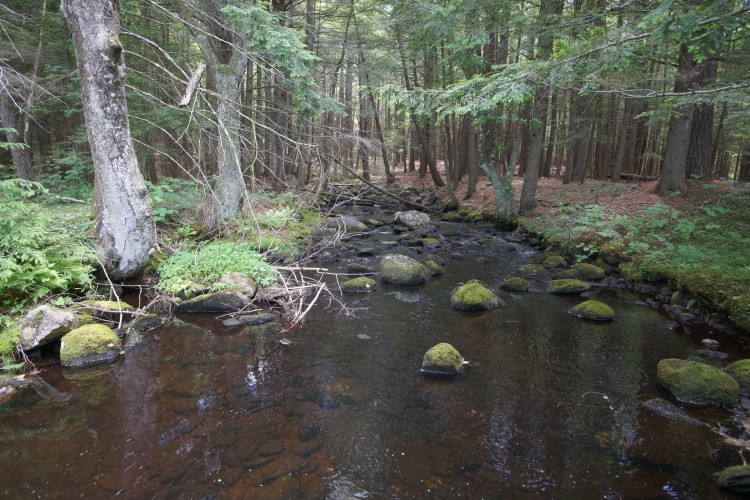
point(665, 409)
point(257, 319)
point(217, 302)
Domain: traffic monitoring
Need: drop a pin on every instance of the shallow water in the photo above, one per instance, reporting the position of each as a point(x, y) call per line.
point(549, 406)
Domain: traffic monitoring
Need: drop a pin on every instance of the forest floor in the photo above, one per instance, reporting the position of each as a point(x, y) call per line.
point(698, 241)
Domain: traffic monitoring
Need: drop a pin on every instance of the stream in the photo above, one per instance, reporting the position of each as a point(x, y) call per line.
point(550, 405)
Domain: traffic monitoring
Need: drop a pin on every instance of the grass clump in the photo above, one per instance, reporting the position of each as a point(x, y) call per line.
point(209, 262)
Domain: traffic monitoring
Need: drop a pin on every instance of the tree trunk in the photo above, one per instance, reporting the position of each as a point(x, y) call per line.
point(124, 226)
point(19, 152)
point(678, 133)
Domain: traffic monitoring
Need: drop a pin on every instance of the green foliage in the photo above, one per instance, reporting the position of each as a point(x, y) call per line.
point(209, 262)
point(41, 248)
point(171, 198)
point(70, 174)
point(704, 250)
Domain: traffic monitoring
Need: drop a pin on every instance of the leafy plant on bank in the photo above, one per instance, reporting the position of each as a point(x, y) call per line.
point(41, 247)
point(209, 262)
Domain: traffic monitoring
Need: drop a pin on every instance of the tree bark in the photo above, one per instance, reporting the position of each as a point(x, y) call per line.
point(19, 152)
point(124, 225)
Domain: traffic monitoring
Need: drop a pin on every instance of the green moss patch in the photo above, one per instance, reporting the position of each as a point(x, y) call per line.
point(736, 478)
point(442, 359)
point(589, 271)
point(593, 310)
point(567, 286)
point(531, 271)
point(474, 296)
point(554, 262)
point(740, 371)
point(403, 270)
point(360, 284)
point(515, 284)
point(697, 383)
point(435, 268)
point(89, 345)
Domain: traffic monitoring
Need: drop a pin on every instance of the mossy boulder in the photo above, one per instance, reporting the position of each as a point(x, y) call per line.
point(554, 262)
point(515, 284)
point(435, 268)
point(430, 242)
point(735, 478)
point(531, 271)
point(697, 383)
point(566, 274)
point(89, 345)
point(474, 296)
point(567, 286)
point(106, 310)
point(589, 271)
point(740, 371)
point(451, 217)
point(442, 360)
point(593, 310)
point(403, 270)
point(360, 284)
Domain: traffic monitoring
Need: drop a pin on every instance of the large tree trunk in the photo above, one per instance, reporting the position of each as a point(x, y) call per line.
point(125, 226)
point(230, 185)
point(19, 153)
point(678, 133)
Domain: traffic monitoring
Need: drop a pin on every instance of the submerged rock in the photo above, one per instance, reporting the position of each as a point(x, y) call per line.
point(435, 268)
point(736, 478)
point(451, 217)
point(217, 302)
point(589, 271)
point(403, 270)
point(360, 284)
point(567, 286)
point(136, 328)
point(593, 310)
point(442, 360)
point(474, 296)
point(358, 267)
point(665, 409)
point(740, 371)
point(515, 284)
point(257, 319)
point(89, 345)
point(697, 383)
point(45, 324)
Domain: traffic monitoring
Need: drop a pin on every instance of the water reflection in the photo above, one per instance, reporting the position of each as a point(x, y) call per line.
point(550, 406)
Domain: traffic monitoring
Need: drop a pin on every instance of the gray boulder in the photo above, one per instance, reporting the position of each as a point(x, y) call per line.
point(239, 283)
point(217, 302)
point(349, 224)
point(44, 324)
point(403, 270)
point(412, 219)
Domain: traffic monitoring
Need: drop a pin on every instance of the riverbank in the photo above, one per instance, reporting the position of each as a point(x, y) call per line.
point(694, 245)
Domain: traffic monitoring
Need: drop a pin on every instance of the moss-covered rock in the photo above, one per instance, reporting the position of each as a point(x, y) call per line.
point(566, 274)
point(238, 282)
point(735, 478)
point(593, 310)
point(106, 310)
point(359, 267)
point(515, 284)
point(451, 217)
point(360, 284)
point(89, 345)
point(8, 342)
point(442, 359)
point(403, 270)
point(140, 325)
point(697, 383)
point(740, 371)
point(474, 296)
point(435, 268)
point(567, 286)
point(554, 262)
point(430, 242)
point(589, 271)
point(530, 271)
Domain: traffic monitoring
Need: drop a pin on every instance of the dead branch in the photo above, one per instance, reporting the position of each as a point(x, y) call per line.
point(192, 84)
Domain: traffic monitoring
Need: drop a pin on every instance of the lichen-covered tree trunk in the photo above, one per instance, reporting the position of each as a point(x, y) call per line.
point(230, 185)
point(124, 225)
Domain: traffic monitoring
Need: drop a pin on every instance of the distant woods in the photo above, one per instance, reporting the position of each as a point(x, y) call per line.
point(618, 90)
